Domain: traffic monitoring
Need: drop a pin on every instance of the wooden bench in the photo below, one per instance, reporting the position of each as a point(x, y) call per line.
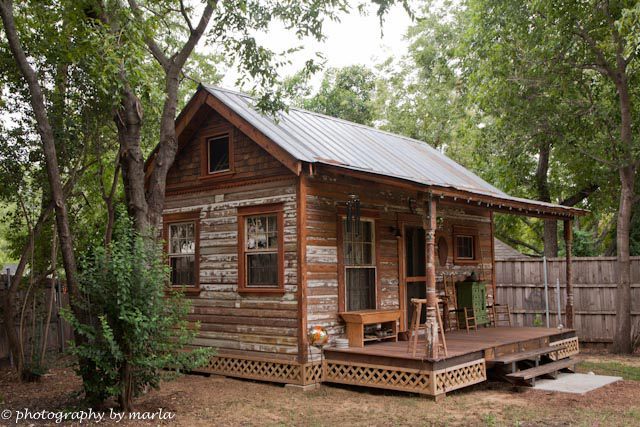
point(357, 320)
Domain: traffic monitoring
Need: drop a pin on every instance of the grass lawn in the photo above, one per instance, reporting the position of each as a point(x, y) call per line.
point(206, 401)
point(616, 369)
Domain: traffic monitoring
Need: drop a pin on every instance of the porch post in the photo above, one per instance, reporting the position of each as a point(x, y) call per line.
point(429, 224)
point(430, 256)
point(568, 242)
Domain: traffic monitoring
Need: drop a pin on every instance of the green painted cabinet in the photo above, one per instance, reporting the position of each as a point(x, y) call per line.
point(473, 295)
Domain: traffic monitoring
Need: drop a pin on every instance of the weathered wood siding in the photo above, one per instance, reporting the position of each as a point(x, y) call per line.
point(520, 283)
point(325, 193)
point(248, 324)
point(463, 215)
point(250, 160)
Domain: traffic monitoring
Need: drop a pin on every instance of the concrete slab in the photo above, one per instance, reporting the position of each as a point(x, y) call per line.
point(575, 383)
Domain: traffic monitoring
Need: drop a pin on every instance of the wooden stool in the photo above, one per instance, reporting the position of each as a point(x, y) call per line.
point(470, 319)
point(501, 313)
point(415, 326)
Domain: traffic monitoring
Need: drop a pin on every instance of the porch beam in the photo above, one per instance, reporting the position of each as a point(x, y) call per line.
point(568, 242)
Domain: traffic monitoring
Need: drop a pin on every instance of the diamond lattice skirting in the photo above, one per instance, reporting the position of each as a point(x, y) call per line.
point(459, 376)
point(289, 372)
point(570, 347)
point(387, 377)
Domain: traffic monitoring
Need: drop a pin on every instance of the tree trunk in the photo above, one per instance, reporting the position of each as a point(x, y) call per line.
point(627, 173)
point(544, 195)
point(11, 293)
point(167, 151)
point(46, 135)
point(622, 340)
point(129, 122)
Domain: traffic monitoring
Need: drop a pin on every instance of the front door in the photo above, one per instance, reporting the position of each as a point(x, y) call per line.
point(414, 269)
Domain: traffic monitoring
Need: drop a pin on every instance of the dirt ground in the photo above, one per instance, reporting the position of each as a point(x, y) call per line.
point(207, 401)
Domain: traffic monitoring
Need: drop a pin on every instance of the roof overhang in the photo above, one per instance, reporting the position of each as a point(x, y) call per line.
point(496, 203)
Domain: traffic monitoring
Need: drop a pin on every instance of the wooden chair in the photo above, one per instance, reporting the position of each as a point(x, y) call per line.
point(501, 315)
point(415, 326)
point(454, 319)
point(470, 319)
point(491, 315)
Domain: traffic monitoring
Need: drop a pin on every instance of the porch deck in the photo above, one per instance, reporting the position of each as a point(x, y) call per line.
point(391, 365)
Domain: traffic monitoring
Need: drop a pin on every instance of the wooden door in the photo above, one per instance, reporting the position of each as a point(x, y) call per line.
point(414, 280)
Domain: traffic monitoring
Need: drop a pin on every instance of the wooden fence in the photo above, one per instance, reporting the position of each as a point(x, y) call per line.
point(59, 330)
point(520, 283)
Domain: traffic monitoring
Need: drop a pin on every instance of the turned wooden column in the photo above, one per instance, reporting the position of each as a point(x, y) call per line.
point(568, 242)
point(429, 225)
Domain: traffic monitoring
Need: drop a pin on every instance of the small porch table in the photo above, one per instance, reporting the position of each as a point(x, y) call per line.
point(357, 320)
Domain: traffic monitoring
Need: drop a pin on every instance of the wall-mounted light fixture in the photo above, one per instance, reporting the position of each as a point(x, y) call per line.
point(413, 205)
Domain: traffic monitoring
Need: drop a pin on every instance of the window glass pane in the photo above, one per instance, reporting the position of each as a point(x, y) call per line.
point(183, 270)
point(414, 239)
point(464, 247)
point(360, 288)
point(218, 153)
point(358, 244)
point(262, 269)
point(261, 232)
point(182, 238)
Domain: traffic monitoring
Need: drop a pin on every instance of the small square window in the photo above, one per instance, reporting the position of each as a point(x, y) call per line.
point(218, 150)
point(465, 247)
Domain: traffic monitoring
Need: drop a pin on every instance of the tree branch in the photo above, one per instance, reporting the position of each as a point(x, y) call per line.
point(156, 51)
point(580, 195)
point(519, 242)
point(185, 16)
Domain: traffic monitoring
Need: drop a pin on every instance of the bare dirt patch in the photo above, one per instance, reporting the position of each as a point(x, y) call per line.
point(206, 401)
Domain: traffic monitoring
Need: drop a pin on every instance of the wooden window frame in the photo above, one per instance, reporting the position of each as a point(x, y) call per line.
point(204, 155)
point(366, 215)
point(470, 232)
point(243, 213)
point(179, 218)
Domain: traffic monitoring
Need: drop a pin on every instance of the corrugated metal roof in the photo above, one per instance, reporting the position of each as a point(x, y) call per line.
point(316, 138)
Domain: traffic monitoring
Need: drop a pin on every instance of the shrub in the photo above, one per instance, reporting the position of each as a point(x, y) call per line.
point(136, 331)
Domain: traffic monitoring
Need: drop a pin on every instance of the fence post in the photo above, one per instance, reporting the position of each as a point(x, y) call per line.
point(559, 297)
point(546, 290)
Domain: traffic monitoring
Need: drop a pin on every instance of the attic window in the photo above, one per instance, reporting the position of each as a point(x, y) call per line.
point(218, 148)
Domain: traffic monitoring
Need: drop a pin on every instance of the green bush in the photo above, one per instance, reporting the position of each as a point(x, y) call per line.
point(135, 332)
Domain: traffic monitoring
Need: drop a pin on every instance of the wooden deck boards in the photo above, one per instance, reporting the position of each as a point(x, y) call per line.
point(459, 343)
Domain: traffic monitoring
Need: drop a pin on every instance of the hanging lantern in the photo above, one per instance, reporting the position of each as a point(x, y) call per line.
point(353, 214)
point(318, 336)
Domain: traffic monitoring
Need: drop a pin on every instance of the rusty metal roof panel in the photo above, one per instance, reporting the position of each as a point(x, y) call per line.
point(316, 138)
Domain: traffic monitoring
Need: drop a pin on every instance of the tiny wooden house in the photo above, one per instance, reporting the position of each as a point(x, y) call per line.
point(259, 222)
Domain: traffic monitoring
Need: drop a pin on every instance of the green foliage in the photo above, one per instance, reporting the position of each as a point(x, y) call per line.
point(135, 323)
point(537, 320)
point(346, 93)
point(627, 371)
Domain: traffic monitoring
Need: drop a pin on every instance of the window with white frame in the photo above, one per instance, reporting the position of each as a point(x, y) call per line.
point(182, 253)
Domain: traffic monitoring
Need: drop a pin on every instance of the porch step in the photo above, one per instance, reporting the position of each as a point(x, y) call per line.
point(547, 368)
point(525, 355)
